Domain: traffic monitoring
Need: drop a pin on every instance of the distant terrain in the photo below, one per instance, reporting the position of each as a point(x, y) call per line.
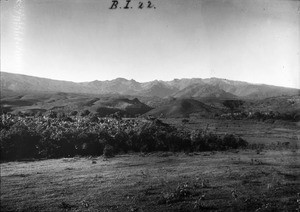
point(211, 97)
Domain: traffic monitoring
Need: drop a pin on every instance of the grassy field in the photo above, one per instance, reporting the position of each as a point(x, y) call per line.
point(265, 179)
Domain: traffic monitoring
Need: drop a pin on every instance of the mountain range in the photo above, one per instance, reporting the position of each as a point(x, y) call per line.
point(176, 98)
point(177, 88)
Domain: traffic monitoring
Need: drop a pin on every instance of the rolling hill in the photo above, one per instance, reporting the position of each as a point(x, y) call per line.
point(179, 108)
point(67, 102)
point(282, 104)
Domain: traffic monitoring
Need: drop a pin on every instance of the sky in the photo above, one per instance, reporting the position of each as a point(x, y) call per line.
point(257, 41)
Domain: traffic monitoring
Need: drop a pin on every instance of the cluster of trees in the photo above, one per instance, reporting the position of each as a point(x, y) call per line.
point(292, 116)
point(100, 112)
point(238, 112)
point(262, 116)
point(233, 104)
point(46, 137)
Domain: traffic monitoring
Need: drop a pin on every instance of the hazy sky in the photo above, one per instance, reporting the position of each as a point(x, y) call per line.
point(83, 40)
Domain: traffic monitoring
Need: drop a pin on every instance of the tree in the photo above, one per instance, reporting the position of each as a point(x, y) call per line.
point(233, 104)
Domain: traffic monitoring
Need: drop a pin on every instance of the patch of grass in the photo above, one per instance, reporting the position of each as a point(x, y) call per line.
point(179, 194)
point(66, 206)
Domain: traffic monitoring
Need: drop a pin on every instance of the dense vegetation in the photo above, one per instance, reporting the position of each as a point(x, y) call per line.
point(60, 136)
point(293, 116)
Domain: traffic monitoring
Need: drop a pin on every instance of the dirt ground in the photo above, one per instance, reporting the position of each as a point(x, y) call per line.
point(261, 179)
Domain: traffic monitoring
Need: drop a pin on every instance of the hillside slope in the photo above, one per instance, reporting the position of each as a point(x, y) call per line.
point(203, 91)
point(183, 108)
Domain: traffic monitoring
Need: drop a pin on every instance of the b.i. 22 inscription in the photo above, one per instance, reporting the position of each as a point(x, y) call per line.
point(116, 4)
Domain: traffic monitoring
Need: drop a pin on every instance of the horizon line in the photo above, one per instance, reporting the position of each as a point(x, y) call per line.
point(146, 81)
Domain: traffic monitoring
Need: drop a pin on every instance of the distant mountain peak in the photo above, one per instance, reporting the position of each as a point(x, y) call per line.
point(180, 88)
point(121, 79)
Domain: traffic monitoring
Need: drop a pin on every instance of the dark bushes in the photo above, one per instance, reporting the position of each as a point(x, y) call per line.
point(232, 142)
point(18, 142)
point(108, 151)
point(105, 111)
point(179, 141)
point(233, 104)
point(89, 144)
point(85, 113)
point(120, 141)
point(44, 137)
point(204, 141)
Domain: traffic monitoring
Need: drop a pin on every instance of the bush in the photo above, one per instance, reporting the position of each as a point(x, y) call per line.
point(179, 141)
point(232, 142)
point(153, 135)
point(233, 104)
point(18, 142)
point(73, 113)
point(93, 118)
point(203, 141)
point(121, 142)
point(51, 114)
point(85, 113)
point(108, 151)
point(89, 144)
point(105, 111)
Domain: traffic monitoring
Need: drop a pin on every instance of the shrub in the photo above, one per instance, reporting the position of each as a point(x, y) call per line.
point(147, 139)
point(133, 141)
point(182, 140)
point(89, 144)
point(73, 113)
point(18, 142)
point(108, 151)
point(85, 113)
point(232, 142)
point(233, 104)
point(105, 111)
point(51, 114)
point(197, 140)
point(121, 141)
point(93, 118)
point(185, 121)
point(61, 115)
point(203, 141)
point(67, 119)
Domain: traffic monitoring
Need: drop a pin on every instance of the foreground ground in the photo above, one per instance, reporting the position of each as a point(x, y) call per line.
point(241, 181)
point(262, 178)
